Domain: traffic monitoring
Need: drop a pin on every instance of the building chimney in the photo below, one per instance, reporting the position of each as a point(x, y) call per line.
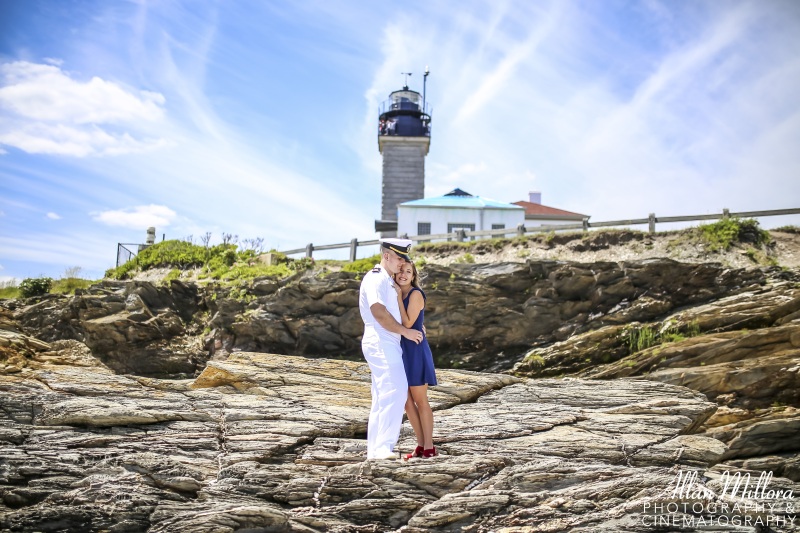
point(535, 197)
point(151, 235)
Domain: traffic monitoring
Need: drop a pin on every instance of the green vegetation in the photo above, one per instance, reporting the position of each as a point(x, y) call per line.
point(35, 287)
point(722, 234)
point(68, 285)
point(536, 361)
point(220, 262)
point(466, 258)
point(362, 266)
point(477, 246)
point(639, 337)
point(788, 229)
point(9, 289)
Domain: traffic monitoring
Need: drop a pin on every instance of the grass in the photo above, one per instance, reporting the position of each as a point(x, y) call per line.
point(361, 266)
point(535, 361)
point(788, 229)
point(221, 262)
point(67, 284)
point(641, 337)
point(9, 289)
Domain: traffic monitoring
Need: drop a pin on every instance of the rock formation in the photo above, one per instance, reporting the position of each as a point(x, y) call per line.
point(264, 442)
point(480, 317)
point(135, 406)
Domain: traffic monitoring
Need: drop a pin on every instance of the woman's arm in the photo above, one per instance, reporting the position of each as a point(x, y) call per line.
point(416, 303)
point(402, 306)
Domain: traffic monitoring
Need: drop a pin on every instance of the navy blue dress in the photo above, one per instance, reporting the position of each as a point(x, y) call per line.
point(417, 358)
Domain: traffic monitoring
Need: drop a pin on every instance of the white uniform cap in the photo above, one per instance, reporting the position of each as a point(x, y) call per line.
point(399, 246)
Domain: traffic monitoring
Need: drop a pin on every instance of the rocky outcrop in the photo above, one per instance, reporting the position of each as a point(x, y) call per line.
point(752, 374)
point(275, 443)
point(134, 327)
point(480, 317)
point(600, 352)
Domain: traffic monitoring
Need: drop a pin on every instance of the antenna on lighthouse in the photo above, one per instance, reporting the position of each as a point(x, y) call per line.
point(405, 85)
point(424, 82)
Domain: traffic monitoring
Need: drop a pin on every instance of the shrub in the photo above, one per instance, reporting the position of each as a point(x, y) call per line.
point(722, 234)
point(35, 286)
point(302, 264)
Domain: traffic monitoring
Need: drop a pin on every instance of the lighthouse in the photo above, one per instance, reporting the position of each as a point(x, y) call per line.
point(404, 136)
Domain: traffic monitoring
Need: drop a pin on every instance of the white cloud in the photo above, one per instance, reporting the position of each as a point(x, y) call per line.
point(142, 216)
point(60, 139)
point(53, 61)
point(47, 111)
point(53, 216)
point(686, 122)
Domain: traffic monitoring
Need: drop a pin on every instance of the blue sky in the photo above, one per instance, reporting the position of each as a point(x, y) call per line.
point(259, 118)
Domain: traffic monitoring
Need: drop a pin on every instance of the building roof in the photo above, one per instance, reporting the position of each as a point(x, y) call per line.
point(535, 211)
point(461, 200)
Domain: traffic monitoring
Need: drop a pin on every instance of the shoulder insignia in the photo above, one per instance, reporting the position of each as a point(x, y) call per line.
point(376, 270)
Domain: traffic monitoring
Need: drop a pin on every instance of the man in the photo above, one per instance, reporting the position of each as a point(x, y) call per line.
point(383, 328)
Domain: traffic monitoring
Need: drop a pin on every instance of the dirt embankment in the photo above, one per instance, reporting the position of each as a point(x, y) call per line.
point(783, 249)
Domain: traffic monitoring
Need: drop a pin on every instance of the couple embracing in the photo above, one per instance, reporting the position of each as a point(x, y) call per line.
point(399, 357)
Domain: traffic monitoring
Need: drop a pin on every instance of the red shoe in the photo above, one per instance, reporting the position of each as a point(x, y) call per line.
point(418, 451)
point(430, 453)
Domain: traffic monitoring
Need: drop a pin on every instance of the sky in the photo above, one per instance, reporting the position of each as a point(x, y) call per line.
point(259, 118)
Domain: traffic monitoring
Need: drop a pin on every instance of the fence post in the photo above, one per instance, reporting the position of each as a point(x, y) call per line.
point(353, 248)
point(520, 230)
point(726, 213)
point(461, 235)
point(651, 222)
point(309, 249)
point(585, 224)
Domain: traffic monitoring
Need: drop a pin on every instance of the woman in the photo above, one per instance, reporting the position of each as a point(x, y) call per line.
point(418, 360)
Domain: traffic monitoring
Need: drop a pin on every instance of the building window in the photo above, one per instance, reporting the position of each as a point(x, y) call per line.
point(498, 226)
point(423, 228)
point(453, 227)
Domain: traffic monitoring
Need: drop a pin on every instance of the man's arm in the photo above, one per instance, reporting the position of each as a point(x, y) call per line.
point(385, 319)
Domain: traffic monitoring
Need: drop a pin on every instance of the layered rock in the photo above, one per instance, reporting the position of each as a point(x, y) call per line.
point(481, 317)
point(270, 442)
point(773, 304)
point(752, 374)
point(134, 327)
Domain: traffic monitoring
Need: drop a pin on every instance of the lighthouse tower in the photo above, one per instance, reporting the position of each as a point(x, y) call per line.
point(404, 136)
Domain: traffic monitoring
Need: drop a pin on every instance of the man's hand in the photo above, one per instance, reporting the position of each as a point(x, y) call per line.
point(412, 335)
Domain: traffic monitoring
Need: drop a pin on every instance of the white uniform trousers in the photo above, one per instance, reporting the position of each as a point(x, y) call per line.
point(389, 393)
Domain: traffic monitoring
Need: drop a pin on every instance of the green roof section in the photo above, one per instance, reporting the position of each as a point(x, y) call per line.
point(461, 199)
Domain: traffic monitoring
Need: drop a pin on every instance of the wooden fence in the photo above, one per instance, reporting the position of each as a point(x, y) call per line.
point(462, 235)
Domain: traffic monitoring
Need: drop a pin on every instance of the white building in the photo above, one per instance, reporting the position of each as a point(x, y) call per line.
point(537, 214)
point(456, 210)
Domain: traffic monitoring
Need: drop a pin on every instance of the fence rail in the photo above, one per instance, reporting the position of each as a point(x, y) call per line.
point(462, 235)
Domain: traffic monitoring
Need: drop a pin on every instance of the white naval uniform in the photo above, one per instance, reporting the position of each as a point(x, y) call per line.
point(384, 355)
